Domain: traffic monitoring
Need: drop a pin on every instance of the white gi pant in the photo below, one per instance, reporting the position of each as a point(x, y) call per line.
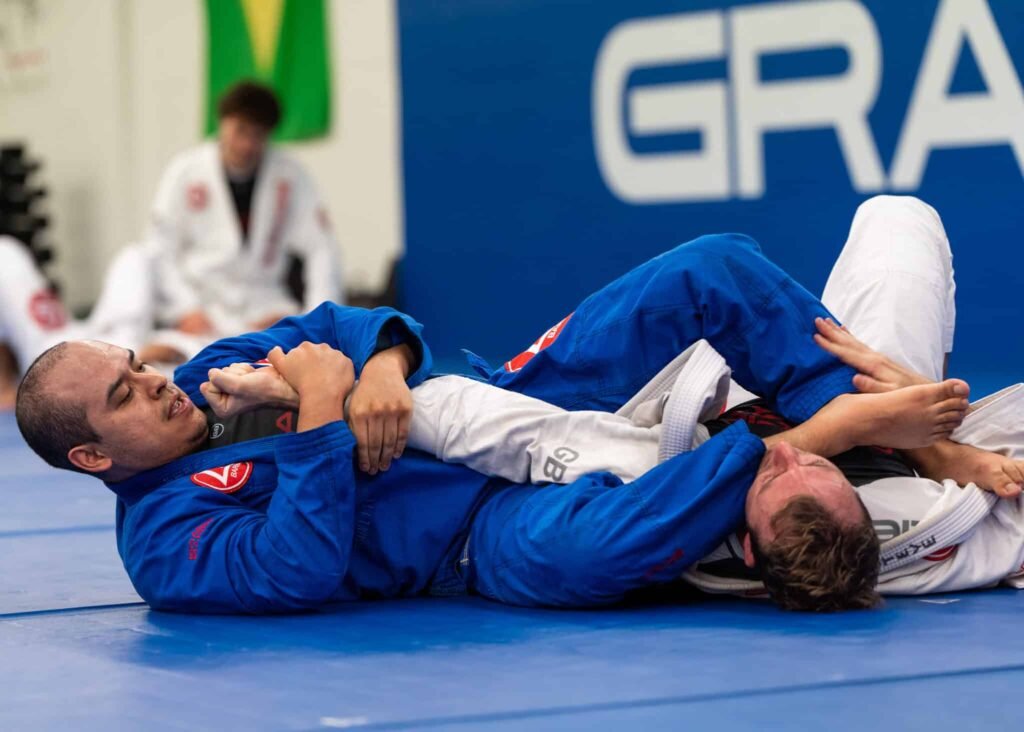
point(892, 286)
point(32, 317)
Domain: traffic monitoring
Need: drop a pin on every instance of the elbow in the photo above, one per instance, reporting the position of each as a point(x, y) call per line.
point(307, 590)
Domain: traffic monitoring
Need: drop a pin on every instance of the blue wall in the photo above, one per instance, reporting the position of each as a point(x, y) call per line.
point(511, 220)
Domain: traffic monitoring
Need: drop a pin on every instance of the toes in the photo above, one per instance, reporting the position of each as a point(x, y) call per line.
point(955, 388)
point(949, 413)
point(1012, 480)
point(1007, 490)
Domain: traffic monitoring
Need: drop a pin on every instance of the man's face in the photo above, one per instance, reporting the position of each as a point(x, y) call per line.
point(142, 419)
point(786, 473)
point(242, 144)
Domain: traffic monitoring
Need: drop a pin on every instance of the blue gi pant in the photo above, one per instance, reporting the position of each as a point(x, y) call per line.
point(592, 541)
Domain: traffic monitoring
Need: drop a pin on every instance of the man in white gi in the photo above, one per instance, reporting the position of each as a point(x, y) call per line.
point(227, 220)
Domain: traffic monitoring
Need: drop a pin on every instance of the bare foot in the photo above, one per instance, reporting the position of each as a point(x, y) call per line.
point(965, 464)
point(911, 417)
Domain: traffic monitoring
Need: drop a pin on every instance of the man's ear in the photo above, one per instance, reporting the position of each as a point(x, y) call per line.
point(748, 551)
point(90, 458)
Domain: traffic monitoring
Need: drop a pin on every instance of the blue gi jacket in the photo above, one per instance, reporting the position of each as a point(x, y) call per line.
point(305, 527)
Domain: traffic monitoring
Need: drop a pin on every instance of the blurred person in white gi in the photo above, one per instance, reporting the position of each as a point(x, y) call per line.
point(230, 219)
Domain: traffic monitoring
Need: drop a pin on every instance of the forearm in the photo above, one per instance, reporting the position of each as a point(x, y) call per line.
point(397, 361)
point(319, 409)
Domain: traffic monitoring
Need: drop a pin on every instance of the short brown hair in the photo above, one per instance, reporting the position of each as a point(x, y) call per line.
point(51, 427)
point(817, 564)
point(253, 102)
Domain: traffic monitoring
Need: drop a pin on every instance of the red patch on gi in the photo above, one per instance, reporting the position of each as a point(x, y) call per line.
point(284, 191)
point(549, 337)
point(227, 479)
point(285, 422)
point(47, 310)
point(942, 554)
point(197, 196)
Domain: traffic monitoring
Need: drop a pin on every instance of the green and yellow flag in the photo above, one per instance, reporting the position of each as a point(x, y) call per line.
point(282, 43)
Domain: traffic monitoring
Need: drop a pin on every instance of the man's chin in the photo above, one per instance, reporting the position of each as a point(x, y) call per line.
point(199, 429)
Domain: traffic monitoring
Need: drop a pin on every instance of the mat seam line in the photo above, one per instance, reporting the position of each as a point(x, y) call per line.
point(668, 701)
point(84, 528)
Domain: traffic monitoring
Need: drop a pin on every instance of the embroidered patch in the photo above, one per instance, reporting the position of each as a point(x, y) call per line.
point(942, 554)
point(549, 337)
point(227, 479)
point(197, 196)
point(284, 191)
point(285, 422)
point(47, 310)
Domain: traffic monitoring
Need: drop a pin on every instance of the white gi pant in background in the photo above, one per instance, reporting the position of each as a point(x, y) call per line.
point(33, 319)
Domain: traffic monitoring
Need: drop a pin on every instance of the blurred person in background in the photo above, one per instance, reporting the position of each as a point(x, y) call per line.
point(231, 219)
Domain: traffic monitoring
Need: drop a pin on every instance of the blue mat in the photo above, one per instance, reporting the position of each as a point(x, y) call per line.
point(81, 653)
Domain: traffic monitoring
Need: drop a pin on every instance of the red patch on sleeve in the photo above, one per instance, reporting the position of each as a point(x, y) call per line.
point(47, 310)
point(549, 337)
point(227, 479)
point(197, 196)
point(942, 554)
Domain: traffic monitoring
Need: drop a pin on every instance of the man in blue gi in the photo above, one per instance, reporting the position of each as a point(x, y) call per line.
point(266, 512)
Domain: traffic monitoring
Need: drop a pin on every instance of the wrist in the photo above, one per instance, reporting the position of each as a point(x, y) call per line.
point(318, 409)
point(394, 361)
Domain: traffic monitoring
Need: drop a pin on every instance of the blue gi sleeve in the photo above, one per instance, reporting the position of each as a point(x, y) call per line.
point(357, 332)
point(190, 549)
point(592, 541)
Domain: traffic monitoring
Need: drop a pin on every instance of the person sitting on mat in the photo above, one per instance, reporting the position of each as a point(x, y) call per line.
point(235, 516)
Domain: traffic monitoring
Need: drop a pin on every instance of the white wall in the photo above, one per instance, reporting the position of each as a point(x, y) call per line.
point(72, 116)
point(124, 91)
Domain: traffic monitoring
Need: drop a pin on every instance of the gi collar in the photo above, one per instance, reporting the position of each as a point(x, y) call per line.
point(132, 490)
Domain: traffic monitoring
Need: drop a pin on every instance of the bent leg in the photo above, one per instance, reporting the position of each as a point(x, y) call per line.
point(893, 283)
point(591, 542)
point(32, 317)
point(720, 288)
point(124, 311)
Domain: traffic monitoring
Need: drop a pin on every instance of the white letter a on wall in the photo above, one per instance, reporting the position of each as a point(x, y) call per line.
point(937, 120)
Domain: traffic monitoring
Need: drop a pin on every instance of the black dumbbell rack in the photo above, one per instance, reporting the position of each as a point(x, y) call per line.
point(20, 200)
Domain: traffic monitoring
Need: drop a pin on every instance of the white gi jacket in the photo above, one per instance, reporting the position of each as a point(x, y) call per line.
point(201, 262)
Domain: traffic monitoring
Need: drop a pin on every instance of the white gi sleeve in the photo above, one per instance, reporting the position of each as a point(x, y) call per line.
point(312, 240)
point(525, 440)
point(166, 238)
